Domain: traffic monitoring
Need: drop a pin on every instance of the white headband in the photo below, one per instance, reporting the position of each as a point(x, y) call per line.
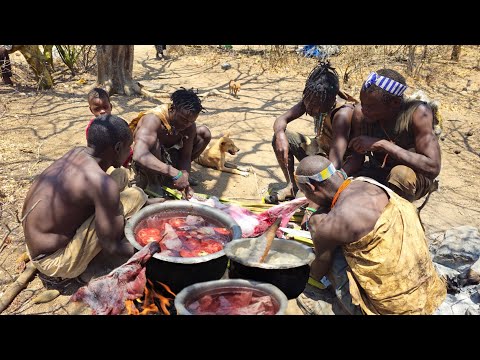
point(385, 83)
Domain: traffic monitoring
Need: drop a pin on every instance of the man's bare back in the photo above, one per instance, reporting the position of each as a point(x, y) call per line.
point(354, 215)
point(67, 191)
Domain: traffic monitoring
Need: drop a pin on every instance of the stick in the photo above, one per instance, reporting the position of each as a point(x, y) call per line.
point(256, 181)
point(17, 286)
point(270, 235)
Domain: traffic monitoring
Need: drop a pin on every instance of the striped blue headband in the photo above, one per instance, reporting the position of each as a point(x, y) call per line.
point(385, 83)
point(321, 176)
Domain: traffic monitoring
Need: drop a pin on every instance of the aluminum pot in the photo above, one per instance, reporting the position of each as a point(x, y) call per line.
point(179, 272)
point(195, 291)
point(291, 279)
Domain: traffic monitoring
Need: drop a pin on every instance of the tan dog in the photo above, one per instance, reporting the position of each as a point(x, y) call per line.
point(214, 156)
point(233, 86)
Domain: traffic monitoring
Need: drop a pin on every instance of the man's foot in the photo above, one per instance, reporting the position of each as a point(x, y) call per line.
point(55, 283)
point(287, 192)
point(314, 301)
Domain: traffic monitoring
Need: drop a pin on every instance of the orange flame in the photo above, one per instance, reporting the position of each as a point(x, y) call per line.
point(147, 303)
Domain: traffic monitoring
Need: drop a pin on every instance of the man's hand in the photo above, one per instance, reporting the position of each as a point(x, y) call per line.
point(189, 192)
point(304, 223)
point(362, 144)
point(281, 147)
point(182, 182)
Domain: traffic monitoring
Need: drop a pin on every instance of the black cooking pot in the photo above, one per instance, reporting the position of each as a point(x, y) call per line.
point(180, 272)
point(291, 279)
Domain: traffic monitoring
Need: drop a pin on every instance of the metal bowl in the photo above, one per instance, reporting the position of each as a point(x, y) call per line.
point(195, 291)
point(179, 272)
point(291, 279)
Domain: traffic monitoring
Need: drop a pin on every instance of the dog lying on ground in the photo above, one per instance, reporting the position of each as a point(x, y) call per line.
point(233, 86)
point(214, 156)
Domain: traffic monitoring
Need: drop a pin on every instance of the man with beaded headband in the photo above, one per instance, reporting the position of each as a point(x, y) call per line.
point(332, 111)
point(397, 136)
point(370, 244)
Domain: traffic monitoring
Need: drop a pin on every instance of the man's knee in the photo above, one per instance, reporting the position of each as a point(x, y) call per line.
point(294, 140)
point(204, 133)
point(131, 200)
point(120, 175)
point(403, 181)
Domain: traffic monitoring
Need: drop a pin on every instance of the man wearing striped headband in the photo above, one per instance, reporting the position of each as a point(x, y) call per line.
point(397, 136)
point(369, 243)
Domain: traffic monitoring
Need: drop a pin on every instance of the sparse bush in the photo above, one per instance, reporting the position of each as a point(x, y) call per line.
point(69, 55)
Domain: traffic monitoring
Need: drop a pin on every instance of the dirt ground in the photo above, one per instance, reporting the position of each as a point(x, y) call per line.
point(37, 127)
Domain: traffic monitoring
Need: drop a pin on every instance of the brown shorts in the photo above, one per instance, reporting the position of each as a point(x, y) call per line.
point(295, 141)
point(413, 184)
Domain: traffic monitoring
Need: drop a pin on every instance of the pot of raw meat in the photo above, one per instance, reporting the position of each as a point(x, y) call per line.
point(231, 297)
point(191, 238)
point(287, 265)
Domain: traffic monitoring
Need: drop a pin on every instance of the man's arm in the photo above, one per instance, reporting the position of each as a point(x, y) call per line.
point(354, 162)
point(145, 141)
point(185, 154)
point(109, 219)
point(279, 127)
point(341, 125)
point(280, 124)
point(426, 159)
point(324, 245)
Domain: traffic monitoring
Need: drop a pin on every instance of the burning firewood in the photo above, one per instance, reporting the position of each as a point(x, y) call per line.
point(106, 295)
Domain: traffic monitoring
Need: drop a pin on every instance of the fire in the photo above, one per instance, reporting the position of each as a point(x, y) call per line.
point(152, 302)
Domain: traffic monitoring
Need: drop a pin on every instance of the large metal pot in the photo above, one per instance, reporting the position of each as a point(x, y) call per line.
point(291, 279)
point(179, 272)
point(195, 291)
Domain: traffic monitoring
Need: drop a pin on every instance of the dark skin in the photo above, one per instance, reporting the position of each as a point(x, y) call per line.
point(363, 202)
point(341, 130)
point(71, 189)
point(151, 133)
point(100, 106)
point(426, 159)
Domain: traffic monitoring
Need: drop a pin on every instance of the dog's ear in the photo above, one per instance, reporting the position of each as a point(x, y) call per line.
point(227, 134)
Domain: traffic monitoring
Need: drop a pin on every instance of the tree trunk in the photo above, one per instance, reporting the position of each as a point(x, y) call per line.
point(37, 62)
point(457, 49)
point(115, 66)
point(411, 59)
point(47, 51)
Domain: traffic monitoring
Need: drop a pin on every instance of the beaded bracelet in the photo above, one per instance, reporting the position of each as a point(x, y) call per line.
point(344, 174)
point(178, 176)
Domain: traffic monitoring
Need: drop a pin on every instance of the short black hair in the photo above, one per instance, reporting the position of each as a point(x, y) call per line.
point(98, 93)
point(391, 74)
point(187, 100)
point(322, 82)
point(106, 130)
